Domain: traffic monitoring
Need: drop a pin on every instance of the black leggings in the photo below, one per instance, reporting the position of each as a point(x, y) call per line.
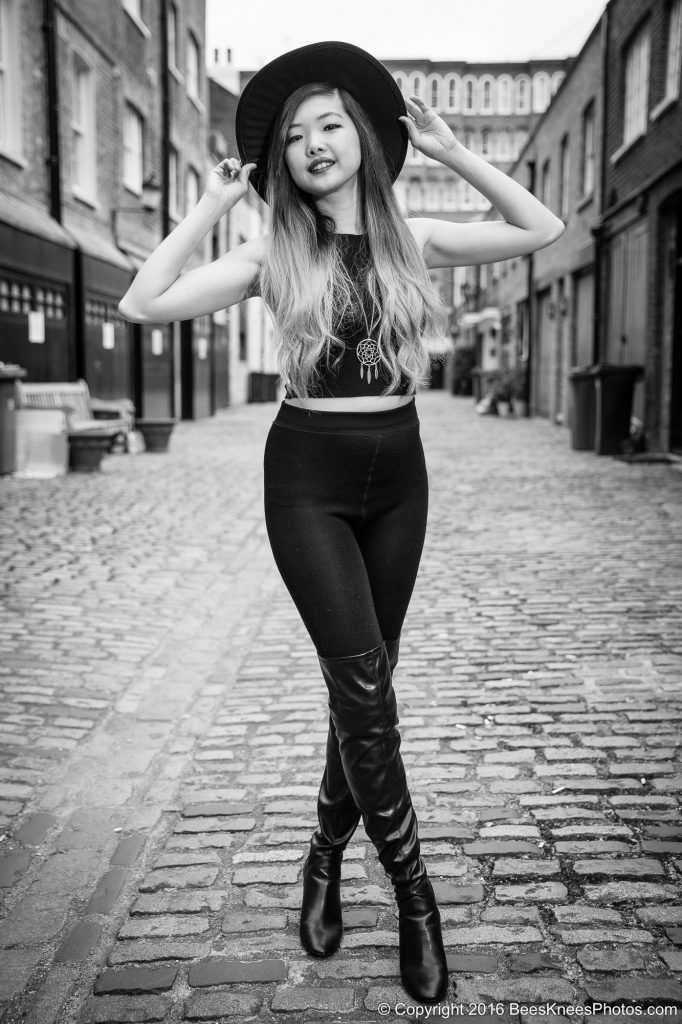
point(346, 498)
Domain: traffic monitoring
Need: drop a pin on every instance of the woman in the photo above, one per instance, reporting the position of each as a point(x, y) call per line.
point(346, 279)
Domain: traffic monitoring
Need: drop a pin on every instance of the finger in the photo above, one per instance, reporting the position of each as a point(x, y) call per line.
point(419, 103)
point(245, 172)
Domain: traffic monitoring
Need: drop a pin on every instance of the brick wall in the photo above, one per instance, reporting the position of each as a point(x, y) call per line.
point(661, 147)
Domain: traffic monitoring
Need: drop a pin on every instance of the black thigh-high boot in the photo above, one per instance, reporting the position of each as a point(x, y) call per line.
point(321, 924)
point(364, 712)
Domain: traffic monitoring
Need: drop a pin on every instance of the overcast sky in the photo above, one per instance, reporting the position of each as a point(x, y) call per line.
point(472, 30)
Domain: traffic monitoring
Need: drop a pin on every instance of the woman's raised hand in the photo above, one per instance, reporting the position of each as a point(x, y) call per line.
point(427, 131)
point(228, 181)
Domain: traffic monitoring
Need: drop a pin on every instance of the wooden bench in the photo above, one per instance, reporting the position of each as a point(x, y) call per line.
point(82, 412)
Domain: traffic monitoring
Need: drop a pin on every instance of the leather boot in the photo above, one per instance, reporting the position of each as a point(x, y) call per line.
point(364, 712)
point(321, 923)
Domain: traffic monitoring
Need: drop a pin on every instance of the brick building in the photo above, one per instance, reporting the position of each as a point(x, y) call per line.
point(561, 164)
point(607, 158)
point(252, 350)
point(640, 241)
point(104, 145)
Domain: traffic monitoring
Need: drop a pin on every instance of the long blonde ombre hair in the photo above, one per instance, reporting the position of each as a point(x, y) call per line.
point(303, 280)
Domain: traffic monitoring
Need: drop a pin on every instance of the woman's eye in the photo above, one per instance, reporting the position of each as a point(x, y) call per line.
point(330, 125)
point(292, 138)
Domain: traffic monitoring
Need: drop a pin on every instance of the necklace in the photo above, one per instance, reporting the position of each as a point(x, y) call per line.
point(367, 351)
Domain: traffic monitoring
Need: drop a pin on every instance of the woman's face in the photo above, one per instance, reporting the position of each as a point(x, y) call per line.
point(322, 149)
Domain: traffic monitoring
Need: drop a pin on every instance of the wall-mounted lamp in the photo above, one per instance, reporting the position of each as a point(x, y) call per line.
point(150, 202)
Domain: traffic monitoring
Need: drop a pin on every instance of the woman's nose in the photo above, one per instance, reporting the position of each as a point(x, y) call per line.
point(315, 144)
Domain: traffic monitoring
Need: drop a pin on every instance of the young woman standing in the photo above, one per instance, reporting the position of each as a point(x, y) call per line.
point(323, 133)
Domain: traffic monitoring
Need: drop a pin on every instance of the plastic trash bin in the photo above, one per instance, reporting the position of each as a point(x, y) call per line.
point(614, 388)
point(602, 406)
point(9, 373)
point(583, 408)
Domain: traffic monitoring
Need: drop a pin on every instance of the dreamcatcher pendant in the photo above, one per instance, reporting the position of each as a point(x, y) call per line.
point(370, 357)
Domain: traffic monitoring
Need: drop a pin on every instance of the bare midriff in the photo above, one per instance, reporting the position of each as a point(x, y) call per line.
point(360, 403)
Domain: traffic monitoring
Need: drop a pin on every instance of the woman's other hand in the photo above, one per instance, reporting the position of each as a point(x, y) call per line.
point(427, 131)
point(228, 182)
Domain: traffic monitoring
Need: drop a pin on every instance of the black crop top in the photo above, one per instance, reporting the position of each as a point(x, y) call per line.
point(359, 370)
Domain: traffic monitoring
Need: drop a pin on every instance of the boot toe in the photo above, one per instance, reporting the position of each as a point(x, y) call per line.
point(318, 940)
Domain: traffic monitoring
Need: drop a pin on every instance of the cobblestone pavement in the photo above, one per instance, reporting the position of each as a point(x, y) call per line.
point(164, 720)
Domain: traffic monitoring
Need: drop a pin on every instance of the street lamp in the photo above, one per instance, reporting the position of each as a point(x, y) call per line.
point(151, 199)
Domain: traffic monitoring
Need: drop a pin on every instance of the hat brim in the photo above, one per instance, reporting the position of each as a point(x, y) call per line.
point(341, 64)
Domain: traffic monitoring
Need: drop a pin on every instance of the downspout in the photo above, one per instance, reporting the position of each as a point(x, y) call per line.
point(52, 96)
point(175, 362)
point(530, 309)
point(598, 229)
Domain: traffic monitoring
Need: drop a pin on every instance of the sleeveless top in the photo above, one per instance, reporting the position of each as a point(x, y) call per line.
point(359, 370)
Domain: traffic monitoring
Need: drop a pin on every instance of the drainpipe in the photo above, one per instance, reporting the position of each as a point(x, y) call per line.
point(175, 351)
point(530, 309)
point(52, 79)
point(598, 230)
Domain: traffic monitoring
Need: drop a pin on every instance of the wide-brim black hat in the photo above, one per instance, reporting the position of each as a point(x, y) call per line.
point(340, 64)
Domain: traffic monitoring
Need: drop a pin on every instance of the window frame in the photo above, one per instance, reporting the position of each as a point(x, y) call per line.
point(636, 84)
point(192, 74)
point(588, 153)
point(131, 115)
point(564, 176)
point(86, 132)
point(173, 42)
point(11, 137)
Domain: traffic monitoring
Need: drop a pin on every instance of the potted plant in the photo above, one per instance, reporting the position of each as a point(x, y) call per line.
point(156, 433)
point(519, 389)
point(502, 390)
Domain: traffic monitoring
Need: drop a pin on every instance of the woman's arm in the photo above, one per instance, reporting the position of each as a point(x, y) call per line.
point(528, 224)
point(160, 293)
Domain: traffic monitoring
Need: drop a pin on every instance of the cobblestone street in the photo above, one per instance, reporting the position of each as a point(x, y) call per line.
point(164, 723)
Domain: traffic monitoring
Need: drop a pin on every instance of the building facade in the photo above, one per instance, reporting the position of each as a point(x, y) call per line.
point(248, 325)
point(640, 237)
point(607, 158)
point(491, 108)
point(103, 147)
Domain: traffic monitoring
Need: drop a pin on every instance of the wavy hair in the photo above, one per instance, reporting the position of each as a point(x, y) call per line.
point(303, 280)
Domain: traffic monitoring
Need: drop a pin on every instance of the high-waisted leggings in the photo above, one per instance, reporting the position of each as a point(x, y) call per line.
point(346, 498)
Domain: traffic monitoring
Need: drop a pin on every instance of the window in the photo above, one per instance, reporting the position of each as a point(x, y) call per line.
point(485, 142)
point(193, 65)
point(636, 86)
point(173, 38)
point(399, 82)
point(434, 102)
point(453, 94)
point(469, 139)
point(417, 86)
point(504, 145)
point(83, 128)
point(487, 96)
point(587, 183)
point(522, 95)
point(469, 99)
point(564, 170)
point(10, 91)
point(191, 190)
point(173, 182)
point(132, 149)
point(672, 74)
point(545, 196)
point(540, 92)
point(504, 95)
